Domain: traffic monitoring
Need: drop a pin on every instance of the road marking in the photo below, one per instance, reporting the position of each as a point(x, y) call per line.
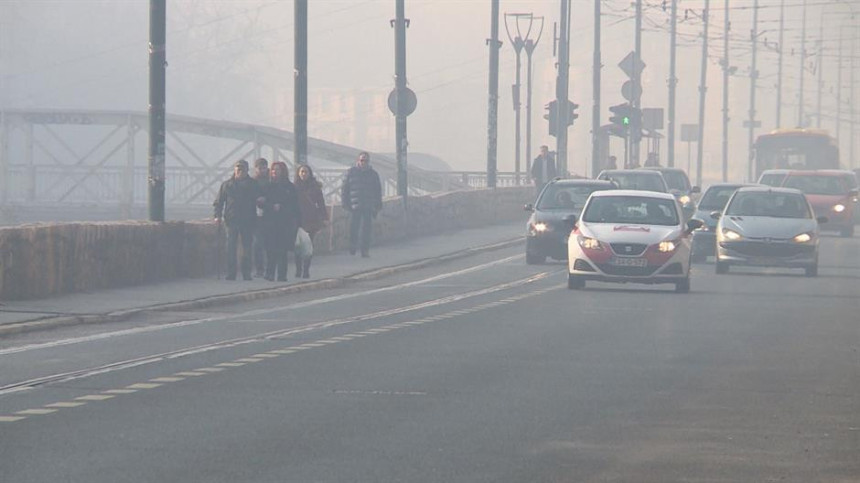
point(120, 391)
point(328, 341)
point(231, 364)
point(65, 405)
point(266, 356)
point(310, 345)
point(143, 385)
point(36, 412)
point(167, 379)
point(11, 419)
point(190, 374)
point(252, 313)
point(248, 359)
point(209, 369)
point(284, 351)
point(95, 397)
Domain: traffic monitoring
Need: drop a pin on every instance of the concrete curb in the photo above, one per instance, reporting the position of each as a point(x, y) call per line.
point(252, 295)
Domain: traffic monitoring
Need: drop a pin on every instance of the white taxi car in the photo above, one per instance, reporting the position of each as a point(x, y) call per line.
point(631, 236)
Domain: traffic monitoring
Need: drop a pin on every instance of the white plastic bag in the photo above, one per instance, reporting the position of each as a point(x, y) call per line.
point(304, 245)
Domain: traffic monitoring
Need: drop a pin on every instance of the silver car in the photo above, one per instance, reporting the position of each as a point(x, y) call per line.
point(764, 226)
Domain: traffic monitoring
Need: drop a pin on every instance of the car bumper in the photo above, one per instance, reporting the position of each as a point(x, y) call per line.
point(761, 254)
point(674, 270)
point(553, 245)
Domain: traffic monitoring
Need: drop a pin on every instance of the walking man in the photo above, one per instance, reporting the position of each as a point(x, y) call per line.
point(361, 196)
point(236, 205)
point(543, 168)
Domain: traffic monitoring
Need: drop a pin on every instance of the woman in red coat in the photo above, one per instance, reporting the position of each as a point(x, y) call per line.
point(313, 211)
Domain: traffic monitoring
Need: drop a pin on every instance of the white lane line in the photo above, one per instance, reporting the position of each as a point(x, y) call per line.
point(266, 356)
point(167, 379)
point(249, 314)
point(329, 341)
point(65, 405)
point(95, 397)
point(36, 412)
point(11, 419)
point(311, 345)
point(190, 374)
point(120, 391)
point(284, 351)
point(248, 359)
point(143, 385)
point(341, 338)
point(209, 369)
point(231, 364)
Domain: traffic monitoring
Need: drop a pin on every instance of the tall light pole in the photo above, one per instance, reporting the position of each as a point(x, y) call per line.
point(636, 84)
point(595, 112)
point(493, 95)
point(820, 71)
point(157, 106)
point(726, 30)
point(673, 81)
point(779, 68)
point(518, 41)
point(300, 92)
point(800, 112)
point(753, 80)
point(530, 48)
point(703, 89)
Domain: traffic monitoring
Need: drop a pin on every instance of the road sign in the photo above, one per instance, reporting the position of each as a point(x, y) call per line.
point(630, 67)
point(755, 124)
point(410, 101)
point(627, 91)
point(689, 133)
point(652, 118)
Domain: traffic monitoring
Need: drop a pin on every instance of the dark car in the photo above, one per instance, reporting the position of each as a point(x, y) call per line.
point(548, 228)
point(680, 187)
point(636, 179)
point(714, 199)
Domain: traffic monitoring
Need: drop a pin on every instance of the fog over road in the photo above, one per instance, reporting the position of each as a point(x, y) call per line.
point(483, 370)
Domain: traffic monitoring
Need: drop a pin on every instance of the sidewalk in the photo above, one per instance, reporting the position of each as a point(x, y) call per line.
point(327, 271)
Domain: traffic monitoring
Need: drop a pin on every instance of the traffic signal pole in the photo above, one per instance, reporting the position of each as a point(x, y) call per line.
point(635, 135)
point(726, 31)
point(157, 106)
point(703, 89)
point(493, 95)
point(400, 86)
point(562, 86)
point(673, 82)
point(595, 113)
point(300, 94)
point(753, 79)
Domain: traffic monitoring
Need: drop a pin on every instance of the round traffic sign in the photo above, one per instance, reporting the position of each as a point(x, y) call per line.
point(410, 102)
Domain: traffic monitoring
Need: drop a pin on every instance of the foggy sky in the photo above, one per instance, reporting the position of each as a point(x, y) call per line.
point(233, 60)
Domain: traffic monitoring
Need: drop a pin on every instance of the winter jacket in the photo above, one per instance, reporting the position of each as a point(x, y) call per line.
point(283, 222)
point(237, 201)
point(361, 190)
point(312, 204)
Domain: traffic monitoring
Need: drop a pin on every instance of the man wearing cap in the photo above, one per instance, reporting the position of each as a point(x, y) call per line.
point(236, 205)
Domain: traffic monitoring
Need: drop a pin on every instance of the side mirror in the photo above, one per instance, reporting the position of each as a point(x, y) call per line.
point(696, 189)
point(570, 219)
point(529, 207)
point(694, 224)
point(822, 219)
point(715, 215)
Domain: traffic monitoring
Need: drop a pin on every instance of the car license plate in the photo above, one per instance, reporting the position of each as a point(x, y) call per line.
point(629, 262)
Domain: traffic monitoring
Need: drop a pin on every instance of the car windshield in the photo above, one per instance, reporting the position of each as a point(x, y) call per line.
point(677, 180)
point(631, 209)
point(777, 205)
point(771, 179)
point(716, 197)
point(817, 185)
point(561, 197)
point(638, 181)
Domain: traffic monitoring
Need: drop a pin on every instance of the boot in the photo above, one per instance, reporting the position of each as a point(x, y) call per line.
point(306, 267)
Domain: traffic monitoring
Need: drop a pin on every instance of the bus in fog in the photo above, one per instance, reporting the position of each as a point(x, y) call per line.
point(796, 149)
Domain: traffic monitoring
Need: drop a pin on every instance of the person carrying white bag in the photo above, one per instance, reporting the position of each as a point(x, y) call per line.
point(314, 216)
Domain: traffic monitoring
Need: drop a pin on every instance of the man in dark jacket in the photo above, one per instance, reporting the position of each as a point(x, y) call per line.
point(261, 175)
point(543, 168)
point(361, 196)
point(236, 205)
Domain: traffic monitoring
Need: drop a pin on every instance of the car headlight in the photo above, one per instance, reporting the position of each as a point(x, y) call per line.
point(803, 238)
point(839, 208)
point(667, 246)
point(540, 227)
point(685, 200)
point(589, 243)
point(731, 234)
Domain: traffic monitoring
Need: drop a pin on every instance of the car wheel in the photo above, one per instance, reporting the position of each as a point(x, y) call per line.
point(721, 267)
point(574, 282)
point(534, 259)
point(812, 270)
point(847, 232)
point(683, 286)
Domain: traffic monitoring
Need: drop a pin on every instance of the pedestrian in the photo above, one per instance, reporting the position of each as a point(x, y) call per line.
point(543, 168)
point(280, 221)
point(313, 211)
point(236, 205)
point(613, 163)
point(652, 161)
point(361, 196)
point(261, 175)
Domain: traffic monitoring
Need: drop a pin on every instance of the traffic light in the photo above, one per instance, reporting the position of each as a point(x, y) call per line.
point(621, 117)
point(635, 124)
point(552, 117)
point(572, 116)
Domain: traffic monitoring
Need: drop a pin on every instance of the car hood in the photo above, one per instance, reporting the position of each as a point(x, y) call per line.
point(768, 227)
point(621, 233)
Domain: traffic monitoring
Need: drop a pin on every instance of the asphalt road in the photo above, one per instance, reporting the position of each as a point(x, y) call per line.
point(483, 370)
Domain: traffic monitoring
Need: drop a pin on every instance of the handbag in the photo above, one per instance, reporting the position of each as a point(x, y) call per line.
point(304, 245)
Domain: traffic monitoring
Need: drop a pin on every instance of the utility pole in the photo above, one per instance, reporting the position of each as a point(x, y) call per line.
point(401, 95)
point(800, 112)
point(703, 89)
point(820, 70)
point(779, 68)
point(300, 92)
point(518, 42)
point(562, 86)
point(753, 78)
point(673, 82)
point(595, 113)
point(853, 93)
point(530, 48)
point(157, 106)
point(636, 84)
point(839, 91)
point(493, 98)
point(726, 30)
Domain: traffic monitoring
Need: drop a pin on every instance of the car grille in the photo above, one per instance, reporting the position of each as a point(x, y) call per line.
point(629, 271)
point(628, 249)
point(769, 249)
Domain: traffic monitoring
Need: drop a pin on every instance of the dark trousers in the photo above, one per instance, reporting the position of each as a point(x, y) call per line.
point(259, 248)
point(359, 230)
point(233, 235)
point(277, 246)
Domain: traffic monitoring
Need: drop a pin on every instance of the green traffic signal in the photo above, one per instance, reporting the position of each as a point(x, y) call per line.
point(626, 120)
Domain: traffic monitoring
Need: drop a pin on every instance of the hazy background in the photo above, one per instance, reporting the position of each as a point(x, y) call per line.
point(233, 60)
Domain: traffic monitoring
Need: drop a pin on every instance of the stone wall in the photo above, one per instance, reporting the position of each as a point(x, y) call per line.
point(43, 260)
